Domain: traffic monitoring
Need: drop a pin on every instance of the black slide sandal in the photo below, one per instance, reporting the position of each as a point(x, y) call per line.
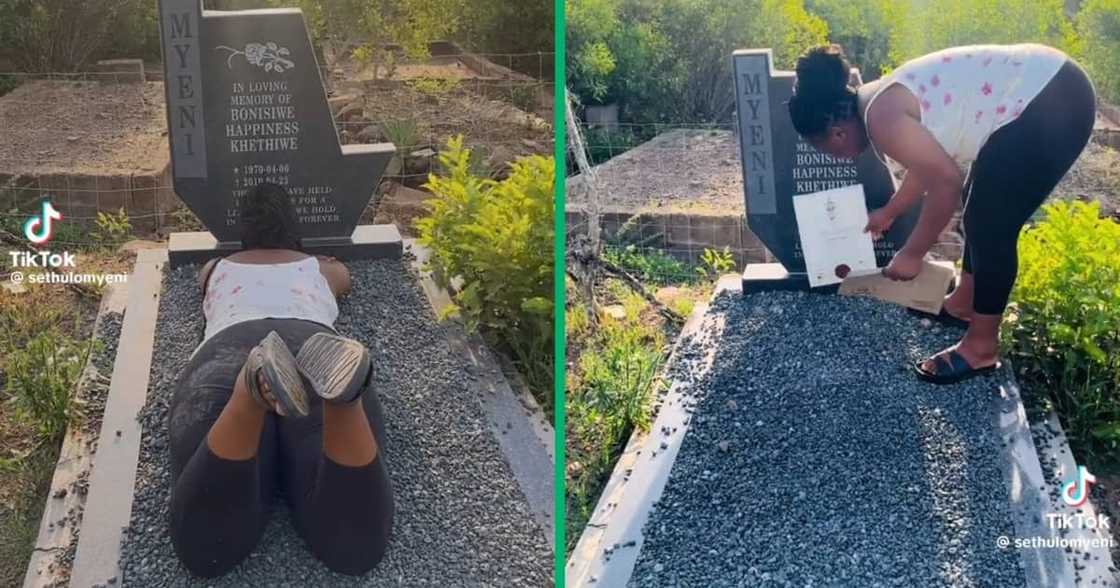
point(952, 371)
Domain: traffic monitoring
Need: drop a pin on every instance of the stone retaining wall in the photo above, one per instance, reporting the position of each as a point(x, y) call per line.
point(147, 196)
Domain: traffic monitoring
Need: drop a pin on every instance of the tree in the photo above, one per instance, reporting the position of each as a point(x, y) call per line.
point(918, 28)
point(59, 35)
point(377, 31)
point(1098, 25)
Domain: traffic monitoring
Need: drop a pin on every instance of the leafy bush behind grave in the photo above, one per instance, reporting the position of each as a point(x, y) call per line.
point(496, 236)
point(1064, 327)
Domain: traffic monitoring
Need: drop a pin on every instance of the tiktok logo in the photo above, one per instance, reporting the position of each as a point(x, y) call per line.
point(38, 227)
point(1076, 492)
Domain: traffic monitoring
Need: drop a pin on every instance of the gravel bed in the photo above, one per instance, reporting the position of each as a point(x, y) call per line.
point(461, 519)
point(816, 458)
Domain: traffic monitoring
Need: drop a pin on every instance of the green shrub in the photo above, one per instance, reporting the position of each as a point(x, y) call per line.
point(669, 60)
point(651, 266)
point(496, 236)
point(1098, 27)
point(1064, 328)
point(41, 378)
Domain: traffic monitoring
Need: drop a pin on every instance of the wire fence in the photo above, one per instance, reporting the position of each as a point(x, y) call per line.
point(671, 205)
point(96, 141)
point(670, 199)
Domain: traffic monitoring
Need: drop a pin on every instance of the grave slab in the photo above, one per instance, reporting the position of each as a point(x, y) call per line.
point(778, 165)
point(469, 509)
point(245, 106)
point(751, 475)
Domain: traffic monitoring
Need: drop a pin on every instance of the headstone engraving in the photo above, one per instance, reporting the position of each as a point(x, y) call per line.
point(778, 165)
point(246, 105)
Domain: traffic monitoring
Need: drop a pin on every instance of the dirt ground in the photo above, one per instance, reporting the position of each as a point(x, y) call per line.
point(683, 170)
point(83, 127)
point(495, 126)
point(1095, 176)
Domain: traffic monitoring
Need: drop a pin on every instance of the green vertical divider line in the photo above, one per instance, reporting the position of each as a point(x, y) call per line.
point(559, 239)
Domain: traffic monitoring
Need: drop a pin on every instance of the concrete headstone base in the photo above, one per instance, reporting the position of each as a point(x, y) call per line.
point(367, 242)
point(771, 277)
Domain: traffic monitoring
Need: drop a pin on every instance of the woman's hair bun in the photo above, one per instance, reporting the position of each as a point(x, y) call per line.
point(823, 71)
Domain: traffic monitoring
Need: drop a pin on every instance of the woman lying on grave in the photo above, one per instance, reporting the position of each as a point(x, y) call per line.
point(1015, 116)
point(273, 400)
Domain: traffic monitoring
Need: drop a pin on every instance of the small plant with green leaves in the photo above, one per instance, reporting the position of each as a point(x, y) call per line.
point(1063, 330)
point(496, 237)
point(8, 83)
point(649, 265)
point(403, 133)
point(41, 378)
point(435, 87)
point(183, 219)
point(111, 229)
point(524, 96)
point(715, 263)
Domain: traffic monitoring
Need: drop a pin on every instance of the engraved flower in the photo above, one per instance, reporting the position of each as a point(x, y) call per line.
point(254, 52)
point(269, 56)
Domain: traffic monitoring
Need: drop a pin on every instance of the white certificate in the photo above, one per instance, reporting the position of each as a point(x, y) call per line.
point(833, 242)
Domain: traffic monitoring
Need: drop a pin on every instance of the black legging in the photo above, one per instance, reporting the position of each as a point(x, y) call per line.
point(219, 507)
point(1015, 171)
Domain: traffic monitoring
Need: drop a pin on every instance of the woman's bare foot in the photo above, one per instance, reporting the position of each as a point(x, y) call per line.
point(266, 394)
point(959, 303)
point(955, 308)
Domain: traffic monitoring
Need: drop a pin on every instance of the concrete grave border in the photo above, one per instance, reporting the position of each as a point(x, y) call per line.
point(640, 475)
point(74, 459)
point(517, 422)
point(113, 475)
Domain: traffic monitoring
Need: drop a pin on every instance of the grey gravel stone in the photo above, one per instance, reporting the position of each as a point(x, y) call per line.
point(461, 519)
point(855, 473)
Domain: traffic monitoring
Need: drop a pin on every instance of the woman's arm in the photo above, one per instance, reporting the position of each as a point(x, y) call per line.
point(204, 274)
point(880, 220)
point(900, 136)
point(338, 277)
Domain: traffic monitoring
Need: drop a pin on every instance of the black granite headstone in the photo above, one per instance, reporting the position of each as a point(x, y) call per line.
point(245, 105)
point(778, 165)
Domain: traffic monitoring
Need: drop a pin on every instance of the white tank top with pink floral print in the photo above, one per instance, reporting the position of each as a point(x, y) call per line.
point(239, 292)
point(967, 93)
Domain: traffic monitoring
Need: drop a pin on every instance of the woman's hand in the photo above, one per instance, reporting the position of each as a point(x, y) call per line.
point(905, 266)
point(879, 221)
